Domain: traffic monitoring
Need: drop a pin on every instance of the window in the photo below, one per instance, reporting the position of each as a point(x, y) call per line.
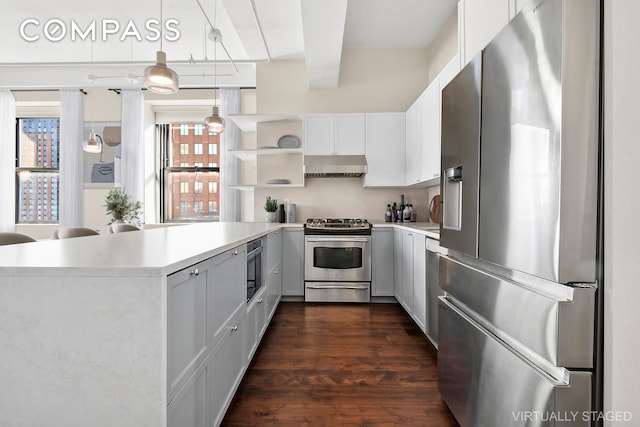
point(184, 129)
point(213, 149)
point(184, 182)
point(184, 208)
point(37, 170)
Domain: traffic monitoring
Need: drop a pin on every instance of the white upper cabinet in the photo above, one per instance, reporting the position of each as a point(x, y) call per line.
point(330, 134)
point(350, 134)
point(413, 154)
point(478, 23)
point(430, 101)
point(385, 150)
point(318, 134)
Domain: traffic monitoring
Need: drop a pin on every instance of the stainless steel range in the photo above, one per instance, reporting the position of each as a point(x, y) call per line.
point(337, 260)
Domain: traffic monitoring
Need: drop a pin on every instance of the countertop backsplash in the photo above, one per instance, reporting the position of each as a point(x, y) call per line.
point(344, 198)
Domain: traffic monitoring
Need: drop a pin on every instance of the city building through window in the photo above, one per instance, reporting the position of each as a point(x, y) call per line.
point(37, 170)
point(184, 177)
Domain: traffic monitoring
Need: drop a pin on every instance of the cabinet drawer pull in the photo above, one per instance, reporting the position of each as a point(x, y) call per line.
point(276, 272)
point(195, 272)
point(235, 252)
point(260, 301)
point(234, 328)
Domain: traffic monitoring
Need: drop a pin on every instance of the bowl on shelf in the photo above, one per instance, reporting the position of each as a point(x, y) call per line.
point(289, 141)
point(278, 181)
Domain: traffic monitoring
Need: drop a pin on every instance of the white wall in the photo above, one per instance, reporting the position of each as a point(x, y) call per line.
point(622, 208)
point(371, 80)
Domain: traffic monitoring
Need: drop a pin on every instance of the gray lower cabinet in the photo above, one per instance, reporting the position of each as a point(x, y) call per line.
point(255, 322)
point(434, 250)
point(227, 367)
point(191, 408)
point(410, 274)
point(382, 254)
point(407, 271)
point(206, 308)
point(397, 265)
point(273, 276)
point(293, 262)
point(188, 341)
point(420, 281)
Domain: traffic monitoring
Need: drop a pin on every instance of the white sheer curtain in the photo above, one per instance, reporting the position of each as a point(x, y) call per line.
point(71, 190)
point(132, 171)
point(7, 160)
point(229, 164)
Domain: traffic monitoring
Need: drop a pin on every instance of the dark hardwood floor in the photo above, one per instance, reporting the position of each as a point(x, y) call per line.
point(341, 364)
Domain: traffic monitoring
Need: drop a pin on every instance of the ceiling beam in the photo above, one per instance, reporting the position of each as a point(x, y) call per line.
point(323, 30)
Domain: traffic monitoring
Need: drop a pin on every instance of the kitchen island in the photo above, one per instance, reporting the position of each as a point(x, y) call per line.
point(133, 329)
point(88, 325)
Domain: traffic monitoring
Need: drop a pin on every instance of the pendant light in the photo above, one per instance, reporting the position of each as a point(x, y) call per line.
point(92, 145)
point(159, 78)
point(214, 122)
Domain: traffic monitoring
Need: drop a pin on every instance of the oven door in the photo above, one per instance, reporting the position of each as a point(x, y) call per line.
point(337, 258)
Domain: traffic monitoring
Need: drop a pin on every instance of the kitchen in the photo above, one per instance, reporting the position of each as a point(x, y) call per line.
point(358, 78)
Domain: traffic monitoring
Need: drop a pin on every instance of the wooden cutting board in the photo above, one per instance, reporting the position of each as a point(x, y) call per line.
point(435, 209)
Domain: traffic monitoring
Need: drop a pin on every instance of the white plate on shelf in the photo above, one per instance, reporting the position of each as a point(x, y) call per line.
point(289, 141)
point(278, 181)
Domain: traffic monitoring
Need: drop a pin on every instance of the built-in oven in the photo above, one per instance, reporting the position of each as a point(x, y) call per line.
point(254, 267)
point(337, 258)
point(337, 261)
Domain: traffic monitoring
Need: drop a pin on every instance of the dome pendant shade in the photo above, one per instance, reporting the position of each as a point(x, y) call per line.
point(92, 145)
point(159, 78)
point(214, 122)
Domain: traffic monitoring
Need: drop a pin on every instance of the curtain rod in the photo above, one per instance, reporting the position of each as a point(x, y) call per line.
point(43, 90)
point(119, 90)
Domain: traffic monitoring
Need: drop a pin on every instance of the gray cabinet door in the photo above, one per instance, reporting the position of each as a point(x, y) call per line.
point(187, 341)
point(228, 292)
point(382, 257)
point(407, 272)
point(420, 281)
point(190, 408)
point(293, 262)
point(227, 367)
point(397, 264)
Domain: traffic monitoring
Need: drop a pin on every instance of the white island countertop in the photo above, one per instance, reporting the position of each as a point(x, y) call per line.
point(154, 252)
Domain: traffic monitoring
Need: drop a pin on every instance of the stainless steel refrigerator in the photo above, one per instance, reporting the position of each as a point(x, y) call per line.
point(519, 324)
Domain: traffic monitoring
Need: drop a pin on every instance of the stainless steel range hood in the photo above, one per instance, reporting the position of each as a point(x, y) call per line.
point(334, 166)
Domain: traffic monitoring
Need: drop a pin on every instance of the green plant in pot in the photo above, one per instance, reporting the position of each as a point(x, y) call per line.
point(271, 206)
point(122, 209)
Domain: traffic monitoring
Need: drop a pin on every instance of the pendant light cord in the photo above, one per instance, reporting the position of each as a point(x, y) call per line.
point(215, 55)
point(161, 25)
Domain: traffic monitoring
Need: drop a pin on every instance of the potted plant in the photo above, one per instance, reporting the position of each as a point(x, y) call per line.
point(271, 206)
point(122, 209)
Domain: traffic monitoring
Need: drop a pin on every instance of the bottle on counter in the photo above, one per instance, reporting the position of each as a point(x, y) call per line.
point(412, 216)
point(388, 215)
point(280, 215)
point(394, 213)
point(406, 214)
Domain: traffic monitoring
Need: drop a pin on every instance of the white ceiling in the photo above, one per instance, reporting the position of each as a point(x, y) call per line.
point(314, 30)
